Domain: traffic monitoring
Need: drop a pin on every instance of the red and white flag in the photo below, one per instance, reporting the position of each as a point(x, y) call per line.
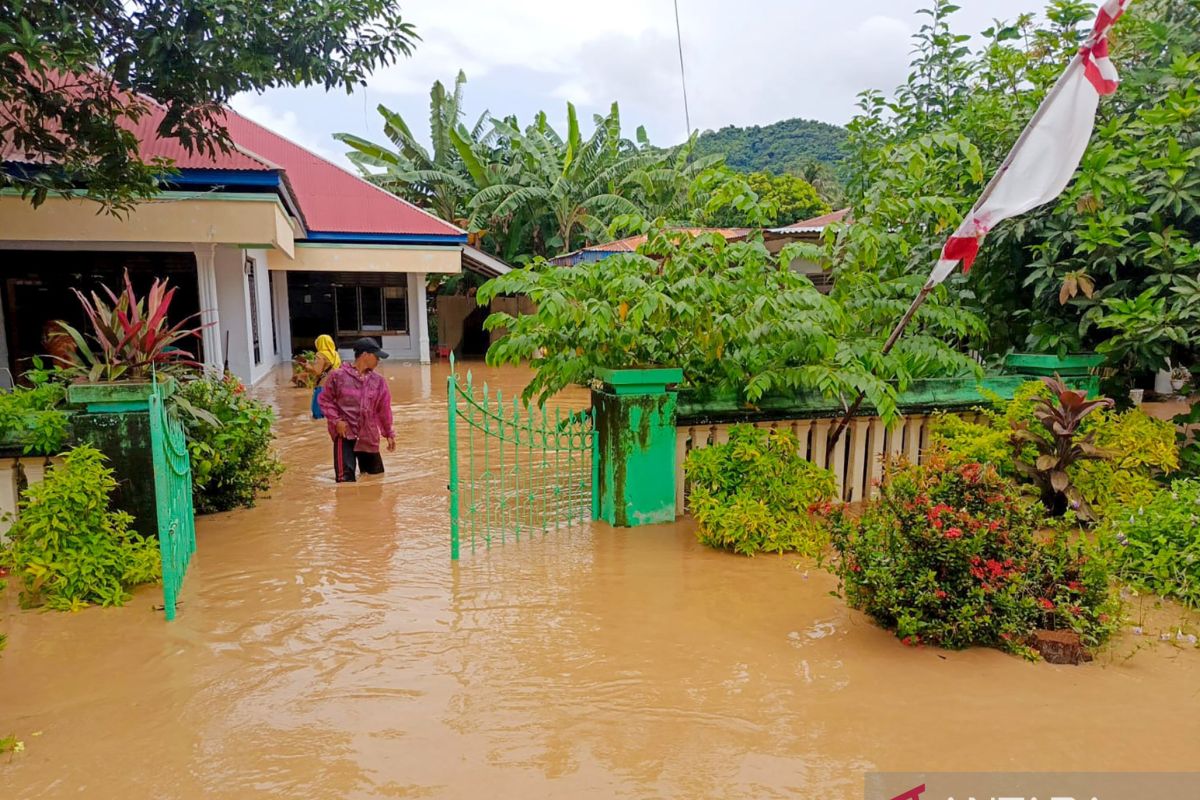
point(1046, 155)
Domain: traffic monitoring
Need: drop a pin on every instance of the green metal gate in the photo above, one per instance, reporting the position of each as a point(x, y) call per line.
point(173, 498)
point(516, 470)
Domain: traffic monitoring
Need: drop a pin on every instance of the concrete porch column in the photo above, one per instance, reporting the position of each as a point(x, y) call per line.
point(206, 279)
point(422, 332)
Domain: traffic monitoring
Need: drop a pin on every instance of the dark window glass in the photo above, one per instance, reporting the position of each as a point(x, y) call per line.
point(395, 300)
point(371, 308)
point(347, 308)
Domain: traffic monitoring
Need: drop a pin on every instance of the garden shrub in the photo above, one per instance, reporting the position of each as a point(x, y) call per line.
point(1159, 542)
point(754, 494)
point(68, 548)
point(33, 417)
point(950, 556)
point(962, 442)
point(232, 462)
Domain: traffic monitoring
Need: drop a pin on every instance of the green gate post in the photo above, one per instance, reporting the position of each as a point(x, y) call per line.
point(115, 419)
point(635, 427)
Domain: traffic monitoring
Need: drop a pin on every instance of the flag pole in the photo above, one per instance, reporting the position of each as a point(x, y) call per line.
point(836, 433)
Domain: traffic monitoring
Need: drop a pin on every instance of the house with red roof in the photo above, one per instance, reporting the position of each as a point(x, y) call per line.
point(270, 243)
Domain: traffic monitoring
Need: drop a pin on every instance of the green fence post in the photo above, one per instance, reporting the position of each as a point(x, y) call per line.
point(635, 439)
point(452, 411)
point(595, 467)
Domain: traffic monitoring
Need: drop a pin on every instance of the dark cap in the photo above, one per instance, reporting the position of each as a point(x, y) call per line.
point(367, 345)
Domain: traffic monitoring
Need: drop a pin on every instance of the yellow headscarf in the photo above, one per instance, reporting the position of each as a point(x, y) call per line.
point(326, 348)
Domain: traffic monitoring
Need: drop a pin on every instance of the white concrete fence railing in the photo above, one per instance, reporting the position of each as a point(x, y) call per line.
point(856, 460)
point(17, 473)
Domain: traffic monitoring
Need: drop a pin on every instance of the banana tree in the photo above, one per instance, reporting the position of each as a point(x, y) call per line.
point(572, 186)
point(437, 179)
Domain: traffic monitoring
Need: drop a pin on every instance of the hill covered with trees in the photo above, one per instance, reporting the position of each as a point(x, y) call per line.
point(780, 147)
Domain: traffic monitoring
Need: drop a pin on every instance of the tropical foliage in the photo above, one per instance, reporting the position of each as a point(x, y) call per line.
point(730, 314)
point(1158, 542)
point(754, 494)
point(130, 336)
point(527, 191)
point(68, 71)
point(230, 445)
point(68, 548)
point(1113, 264)
point(34, 417)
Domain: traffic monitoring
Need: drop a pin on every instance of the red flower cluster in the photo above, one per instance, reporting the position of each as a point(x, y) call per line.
point(1046, 603)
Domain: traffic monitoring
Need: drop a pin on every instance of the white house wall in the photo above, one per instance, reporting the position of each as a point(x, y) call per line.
point(233, 310)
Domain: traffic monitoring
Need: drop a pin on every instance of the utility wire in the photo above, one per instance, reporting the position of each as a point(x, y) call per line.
point(687, 117)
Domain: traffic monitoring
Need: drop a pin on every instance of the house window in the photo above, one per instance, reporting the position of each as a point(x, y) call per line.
point(370, 307)
point(252, 280)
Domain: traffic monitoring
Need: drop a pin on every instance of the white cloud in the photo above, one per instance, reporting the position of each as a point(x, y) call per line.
point(289, 125)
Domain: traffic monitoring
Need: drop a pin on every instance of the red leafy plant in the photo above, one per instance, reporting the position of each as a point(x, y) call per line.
point(130, 336)
point(1057, 446)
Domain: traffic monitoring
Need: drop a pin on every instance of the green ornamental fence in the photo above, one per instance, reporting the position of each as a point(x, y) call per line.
point(516, 470)
point(173, 498)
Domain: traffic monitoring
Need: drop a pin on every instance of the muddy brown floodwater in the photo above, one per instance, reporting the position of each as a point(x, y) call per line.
point(328, 648)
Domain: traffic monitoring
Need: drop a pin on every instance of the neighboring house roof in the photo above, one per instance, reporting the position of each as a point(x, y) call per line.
point(483, 264)
point(814, 225)
point(630, 244)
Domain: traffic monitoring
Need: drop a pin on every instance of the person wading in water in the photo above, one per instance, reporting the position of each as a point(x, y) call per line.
point(325, 362)
point(357, 405)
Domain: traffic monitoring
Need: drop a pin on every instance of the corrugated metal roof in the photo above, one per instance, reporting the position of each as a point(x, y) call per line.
point(630, 244)
point(332, 199)
point(815, 224)
point(151, 146)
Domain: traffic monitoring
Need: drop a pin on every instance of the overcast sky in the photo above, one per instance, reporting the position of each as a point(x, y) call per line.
point(748, 62)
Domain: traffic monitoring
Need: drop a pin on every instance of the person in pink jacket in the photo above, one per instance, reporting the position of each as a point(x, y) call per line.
point(357, 405)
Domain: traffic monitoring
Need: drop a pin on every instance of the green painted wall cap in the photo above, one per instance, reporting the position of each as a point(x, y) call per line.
point(93, 394)
point(1048, 364)
point(648, 377)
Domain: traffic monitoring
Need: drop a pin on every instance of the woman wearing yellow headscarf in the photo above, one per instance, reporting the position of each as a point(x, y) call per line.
point(326, 361)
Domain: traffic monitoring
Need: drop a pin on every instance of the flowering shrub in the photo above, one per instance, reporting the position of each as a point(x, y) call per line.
point(1160, 542)
point(949, 556)
point(754, 494)
point(232, 461)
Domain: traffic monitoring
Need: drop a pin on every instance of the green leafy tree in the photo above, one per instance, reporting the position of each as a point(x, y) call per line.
point(728, 313)
point(788, 198)
point(1113, 265)
point(69, 71)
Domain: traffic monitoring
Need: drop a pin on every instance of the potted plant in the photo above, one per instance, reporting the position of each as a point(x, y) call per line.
point(129, 342)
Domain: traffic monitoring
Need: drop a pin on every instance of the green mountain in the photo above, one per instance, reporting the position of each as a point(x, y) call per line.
point(778, 147)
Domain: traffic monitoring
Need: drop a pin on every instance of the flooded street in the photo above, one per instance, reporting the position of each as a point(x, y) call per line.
point(327, 647)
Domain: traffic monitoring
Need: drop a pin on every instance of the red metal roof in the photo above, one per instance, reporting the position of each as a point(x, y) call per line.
point(332, 199)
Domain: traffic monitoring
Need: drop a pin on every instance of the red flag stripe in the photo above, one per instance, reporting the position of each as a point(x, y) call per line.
point(961, 248)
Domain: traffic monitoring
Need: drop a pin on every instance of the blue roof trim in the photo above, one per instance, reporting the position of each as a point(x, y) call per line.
point(385, 238)
point(223, 177)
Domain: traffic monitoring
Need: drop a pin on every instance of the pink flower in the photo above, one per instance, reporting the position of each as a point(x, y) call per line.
point(954, 533)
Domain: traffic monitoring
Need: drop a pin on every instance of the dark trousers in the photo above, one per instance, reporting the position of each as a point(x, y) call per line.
point(345, 458)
